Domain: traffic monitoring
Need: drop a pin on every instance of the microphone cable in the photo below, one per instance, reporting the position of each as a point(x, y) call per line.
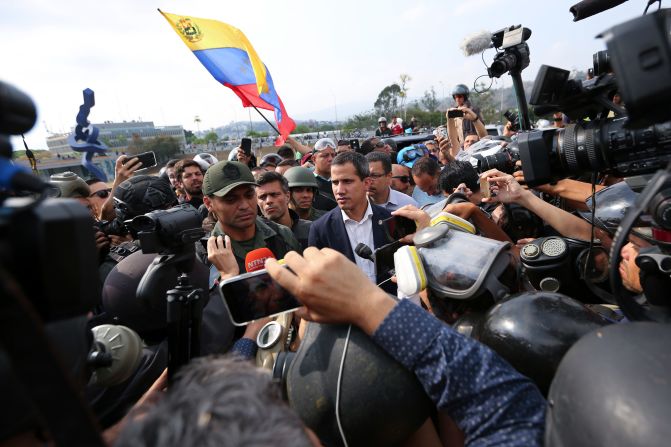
point(338, 386)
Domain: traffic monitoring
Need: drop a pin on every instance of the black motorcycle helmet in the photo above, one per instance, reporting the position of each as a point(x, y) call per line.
point(612, 389)
point(381, 402)
point(141, 194)
point(533, 331)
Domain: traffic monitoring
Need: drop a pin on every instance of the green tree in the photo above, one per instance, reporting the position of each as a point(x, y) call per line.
point(361, 121)
point(388, 99)
point(429, 101)
point(486, 100)
point(254, 134)
point(136, 144)
point(189, 136)
point(211, 137)
point(164, 147)
point(405, 79)
point(301, 128)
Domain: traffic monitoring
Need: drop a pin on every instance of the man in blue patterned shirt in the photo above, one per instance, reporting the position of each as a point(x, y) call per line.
point(490, 401)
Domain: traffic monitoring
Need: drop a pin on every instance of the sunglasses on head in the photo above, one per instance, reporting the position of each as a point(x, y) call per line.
point(103, 193)
point(403, 178)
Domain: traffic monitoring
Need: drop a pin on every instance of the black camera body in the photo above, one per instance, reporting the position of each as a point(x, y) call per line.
point(557, 264)
point(166, 231)
point(513, 118)
point(613, 140)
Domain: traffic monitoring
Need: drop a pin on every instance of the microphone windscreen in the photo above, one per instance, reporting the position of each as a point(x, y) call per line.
point(476, 43)
point(256, 259)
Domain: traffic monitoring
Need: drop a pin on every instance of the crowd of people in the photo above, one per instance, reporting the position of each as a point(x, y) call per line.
point(313, 207)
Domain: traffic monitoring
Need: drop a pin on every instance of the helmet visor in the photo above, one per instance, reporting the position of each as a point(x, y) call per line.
point(457, 265)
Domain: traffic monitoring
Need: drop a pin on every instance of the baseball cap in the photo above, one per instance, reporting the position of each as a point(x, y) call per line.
point(224, 176)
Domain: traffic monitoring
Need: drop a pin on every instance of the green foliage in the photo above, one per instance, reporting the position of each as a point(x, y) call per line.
point(255, 134)
point(39, 154)
point(429, 101)
point(164, 147)
point(136, 145)
point(387, 102)
point(425, 118)
point(301, 128)
point(361, 121)
point(189, 136)
point(211, 137)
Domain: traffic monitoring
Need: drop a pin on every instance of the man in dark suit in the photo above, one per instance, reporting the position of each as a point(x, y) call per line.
point(356, 220)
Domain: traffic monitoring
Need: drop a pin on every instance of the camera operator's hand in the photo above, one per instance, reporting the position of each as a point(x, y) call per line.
point(317, 280)
point(102, 243)
point(220, 254)
point(115, 239)
point(504, 186)
point(468, 113)
point(124, 168)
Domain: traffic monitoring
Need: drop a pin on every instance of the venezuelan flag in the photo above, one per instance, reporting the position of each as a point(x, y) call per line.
point(229, 56)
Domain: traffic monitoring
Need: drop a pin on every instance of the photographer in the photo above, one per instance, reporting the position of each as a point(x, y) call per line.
point(460, 138)
point(486, 397)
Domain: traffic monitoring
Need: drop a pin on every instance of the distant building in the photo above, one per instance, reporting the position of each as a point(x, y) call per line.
point(119, 135)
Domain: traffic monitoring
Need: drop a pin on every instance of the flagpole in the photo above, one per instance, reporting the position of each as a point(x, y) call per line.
point(269, 123)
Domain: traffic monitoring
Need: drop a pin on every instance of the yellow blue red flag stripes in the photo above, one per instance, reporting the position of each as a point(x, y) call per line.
point(230, 58)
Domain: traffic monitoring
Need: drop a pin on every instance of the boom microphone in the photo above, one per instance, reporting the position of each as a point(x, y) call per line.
point(476, 43)
point(256, 259)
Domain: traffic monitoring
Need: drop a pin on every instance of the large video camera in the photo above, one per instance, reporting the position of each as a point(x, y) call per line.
point(605, 137)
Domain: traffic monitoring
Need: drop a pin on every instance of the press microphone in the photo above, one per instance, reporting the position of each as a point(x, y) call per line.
point(588, 8)
point(256, 259)
point(364, 251)
point(115, 354)
point(476, 43)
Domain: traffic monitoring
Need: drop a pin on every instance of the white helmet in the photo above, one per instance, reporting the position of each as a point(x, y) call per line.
point(381, 119)
point(205, 160)
point(233, 155)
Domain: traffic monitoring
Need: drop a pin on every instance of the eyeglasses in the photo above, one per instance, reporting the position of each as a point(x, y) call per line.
point(103, 193)
point(403, 178)
point(376, 176)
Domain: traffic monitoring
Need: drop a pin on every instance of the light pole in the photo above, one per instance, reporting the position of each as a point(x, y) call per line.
point(443, 87)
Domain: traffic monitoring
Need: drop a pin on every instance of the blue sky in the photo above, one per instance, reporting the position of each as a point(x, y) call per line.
point(322, 55)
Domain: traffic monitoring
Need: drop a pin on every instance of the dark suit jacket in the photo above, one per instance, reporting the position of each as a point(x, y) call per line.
point(329, 231)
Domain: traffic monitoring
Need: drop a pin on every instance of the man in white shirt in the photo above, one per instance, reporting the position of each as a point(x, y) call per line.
point(355, 220)
point(380, 191)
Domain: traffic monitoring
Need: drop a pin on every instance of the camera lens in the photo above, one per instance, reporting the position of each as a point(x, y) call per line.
point(501, 161)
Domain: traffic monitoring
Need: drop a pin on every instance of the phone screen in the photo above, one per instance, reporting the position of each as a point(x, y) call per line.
point(397, 227)
point(246, 145)
point(256, 295)
point(148, 159)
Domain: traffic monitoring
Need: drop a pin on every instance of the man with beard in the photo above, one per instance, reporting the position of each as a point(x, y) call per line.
point(189, 175)
point(273, 198)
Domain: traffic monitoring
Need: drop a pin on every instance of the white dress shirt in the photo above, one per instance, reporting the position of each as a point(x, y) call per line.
point(361, 231)
point(397, 199)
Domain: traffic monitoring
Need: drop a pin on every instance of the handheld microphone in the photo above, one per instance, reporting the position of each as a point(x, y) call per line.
point(256, 259)
point(476, 43)
point(588, 8)
point(115, 355)
point(364, 251)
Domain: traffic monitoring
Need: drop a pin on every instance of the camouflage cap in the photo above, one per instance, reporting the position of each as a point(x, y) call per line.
point(224, 176)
